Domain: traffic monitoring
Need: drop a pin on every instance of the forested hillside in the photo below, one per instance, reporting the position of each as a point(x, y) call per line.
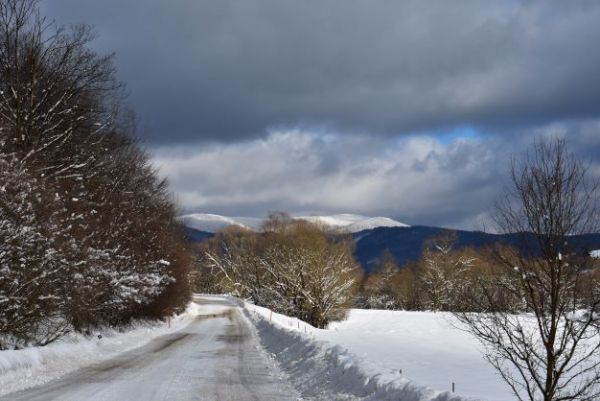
point(406, 244)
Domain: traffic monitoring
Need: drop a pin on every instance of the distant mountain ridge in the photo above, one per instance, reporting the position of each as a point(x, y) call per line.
point(406, 244)
point(403, 241)
point(212, 223)
point(351, 223)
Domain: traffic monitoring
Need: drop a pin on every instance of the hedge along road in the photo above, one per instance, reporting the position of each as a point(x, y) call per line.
point(216, 357)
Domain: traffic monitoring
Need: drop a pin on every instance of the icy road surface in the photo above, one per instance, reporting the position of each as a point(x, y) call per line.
point(216, 357)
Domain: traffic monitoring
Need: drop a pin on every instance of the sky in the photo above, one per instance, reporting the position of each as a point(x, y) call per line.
point(405, 109)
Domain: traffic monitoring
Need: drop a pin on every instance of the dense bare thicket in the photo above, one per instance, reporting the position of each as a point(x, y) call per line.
point(390, 286)
point(293, 267)
point(438, 281)
point(382, 289)
point(550, 351)
point(87, 230)
point(230, 264)
point(444, 273)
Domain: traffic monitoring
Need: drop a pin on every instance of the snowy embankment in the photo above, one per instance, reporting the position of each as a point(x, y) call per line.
point(381, 355)
point(29, 367)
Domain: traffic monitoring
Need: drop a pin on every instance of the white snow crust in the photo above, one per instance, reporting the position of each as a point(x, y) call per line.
point(382, 355)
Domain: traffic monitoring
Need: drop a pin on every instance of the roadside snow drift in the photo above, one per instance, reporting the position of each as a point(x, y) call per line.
point(380, 355)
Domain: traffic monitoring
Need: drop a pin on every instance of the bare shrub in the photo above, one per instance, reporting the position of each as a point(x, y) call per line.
point(549, 351)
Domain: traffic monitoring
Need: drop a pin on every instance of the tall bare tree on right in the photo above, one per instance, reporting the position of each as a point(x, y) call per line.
point(547, 346)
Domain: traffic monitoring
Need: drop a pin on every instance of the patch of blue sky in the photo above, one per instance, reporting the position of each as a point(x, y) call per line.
point(464, 132)
point(445, 136)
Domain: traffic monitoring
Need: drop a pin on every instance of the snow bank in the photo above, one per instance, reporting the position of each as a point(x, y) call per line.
point(324, 370)
point(21, 369)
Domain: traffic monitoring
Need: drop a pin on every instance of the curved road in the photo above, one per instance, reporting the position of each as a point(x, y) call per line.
point(217, 358)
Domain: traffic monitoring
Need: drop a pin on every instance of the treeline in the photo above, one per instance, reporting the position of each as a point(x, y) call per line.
point(438, 281)
point(291, 266)
point(308, 271)
point(87, 231)
point(447, 278)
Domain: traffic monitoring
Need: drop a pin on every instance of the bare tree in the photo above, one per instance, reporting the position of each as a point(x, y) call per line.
point(56, 94)
point(294, 267)
point(549, 351)
point(313, 273)
point(382, 288)
point(443, 271)
point(231, 257)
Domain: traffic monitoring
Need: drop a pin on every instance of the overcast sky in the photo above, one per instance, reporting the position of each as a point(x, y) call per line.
point(408, 109)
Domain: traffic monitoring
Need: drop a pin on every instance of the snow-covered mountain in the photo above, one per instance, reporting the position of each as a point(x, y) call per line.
point(213, 222)
point(352, 222)
point(348, 222)
point(373, 235)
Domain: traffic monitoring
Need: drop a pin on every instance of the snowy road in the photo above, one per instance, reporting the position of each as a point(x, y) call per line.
point(216, 357)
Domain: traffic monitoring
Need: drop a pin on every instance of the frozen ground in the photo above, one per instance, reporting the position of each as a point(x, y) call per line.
point(215, 356)
point(29, 367)
point(214, 352)
point(425, 345)
point(382, 355)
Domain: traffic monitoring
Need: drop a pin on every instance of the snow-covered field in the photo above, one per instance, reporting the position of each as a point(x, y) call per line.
point(21, 369)
point(389, 354)
point(373, 355)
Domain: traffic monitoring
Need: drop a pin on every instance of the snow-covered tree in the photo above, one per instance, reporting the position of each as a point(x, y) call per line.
point(550, 352)
point(331, 282)
point(32, 267)
point(294, 267)
point(84, 217)
point(232, 258)
point(444, 270)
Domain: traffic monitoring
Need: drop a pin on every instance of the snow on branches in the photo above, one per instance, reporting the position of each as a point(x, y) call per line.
point(87, 229)
point(293, 267)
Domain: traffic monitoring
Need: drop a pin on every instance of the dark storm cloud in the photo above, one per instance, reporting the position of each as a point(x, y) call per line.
point(408, 109)
point(231, 69)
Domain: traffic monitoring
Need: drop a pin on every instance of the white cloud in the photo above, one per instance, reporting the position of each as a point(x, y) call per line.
point(417, 179)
